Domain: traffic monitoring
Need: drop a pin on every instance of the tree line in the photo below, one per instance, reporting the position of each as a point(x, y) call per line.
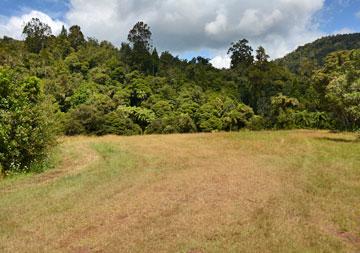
point(69, 84)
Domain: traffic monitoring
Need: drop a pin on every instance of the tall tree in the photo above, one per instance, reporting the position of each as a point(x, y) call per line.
point(140, 36)
point(125, 53)
point(76, 37)
point(261, 56)
point(241, 54)
point(63, 33)
point(155, 61)
point(140, 42)
point(36, 33)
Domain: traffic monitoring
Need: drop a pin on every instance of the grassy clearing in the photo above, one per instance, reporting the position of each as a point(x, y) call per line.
point(287, 191)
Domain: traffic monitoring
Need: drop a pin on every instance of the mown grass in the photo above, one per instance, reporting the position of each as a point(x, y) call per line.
point(286, 191)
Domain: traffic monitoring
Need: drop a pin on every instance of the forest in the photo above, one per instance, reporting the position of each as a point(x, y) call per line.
point(68, 84)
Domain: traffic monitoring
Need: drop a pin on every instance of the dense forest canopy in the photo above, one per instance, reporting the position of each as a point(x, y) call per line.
point(96, 88)
point(313, 55)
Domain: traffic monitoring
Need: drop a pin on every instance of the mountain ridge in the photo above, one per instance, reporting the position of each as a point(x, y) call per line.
point(313, 54)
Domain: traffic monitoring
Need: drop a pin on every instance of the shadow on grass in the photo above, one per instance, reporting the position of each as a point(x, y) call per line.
point(341, 140)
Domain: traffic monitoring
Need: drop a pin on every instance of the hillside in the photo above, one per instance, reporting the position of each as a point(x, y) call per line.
point(70, 84)
point(228, 192)
point(314, 54)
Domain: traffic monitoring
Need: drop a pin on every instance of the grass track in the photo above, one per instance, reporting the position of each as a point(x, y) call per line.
point(286, 191)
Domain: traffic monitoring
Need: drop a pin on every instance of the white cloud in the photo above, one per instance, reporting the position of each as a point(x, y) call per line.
point(185, 25)
point(217, 26)
point(221, 61)
point(13, 26)
point(191, 25)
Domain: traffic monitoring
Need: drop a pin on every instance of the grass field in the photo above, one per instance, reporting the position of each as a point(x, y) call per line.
point(286, 191)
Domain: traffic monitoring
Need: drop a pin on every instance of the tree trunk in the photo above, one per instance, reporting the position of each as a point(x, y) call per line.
point(2, 173)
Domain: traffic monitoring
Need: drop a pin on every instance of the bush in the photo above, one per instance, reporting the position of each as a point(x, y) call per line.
point(208, 118)
point(118, 123)
point(141, 116)
point(185, 124)
point(314, 120)
point(211, 123)
point(173, 123)
point(237, 117)
point(256, 123)
point(85, 119)
point(290, 119)
point(27, 122)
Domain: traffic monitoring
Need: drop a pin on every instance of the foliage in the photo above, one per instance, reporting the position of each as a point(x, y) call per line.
point(140, 36)
point(101, 89)
point(307, 58)
point(27, 125)
point(261, 56)
point(339, 82)
point(118, 122)
point(140, 56)
point(37, 34)
point(75, 37)
point(241, 54)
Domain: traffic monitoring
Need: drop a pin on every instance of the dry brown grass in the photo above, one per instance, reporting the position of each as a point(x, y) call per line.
point(238, 192)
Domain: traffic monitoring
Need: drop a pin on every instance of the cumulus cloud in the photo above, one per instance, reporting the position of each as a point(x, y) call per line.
point(217, 26)
point(221, 61)
point(13, 26)
point(192, 25)
point(184, 25)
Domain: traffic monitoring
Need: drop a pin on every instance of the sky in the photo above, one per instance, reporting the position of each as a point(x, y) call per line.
point(189, 28)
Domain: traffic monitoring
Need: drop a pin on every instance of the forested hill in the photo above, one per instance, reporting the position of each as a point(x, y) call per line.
point(80, 85)
point(312, 55)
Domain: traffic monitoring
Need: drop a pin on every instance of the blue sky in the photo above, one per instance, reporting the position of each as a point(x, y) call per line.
point(198, 27)
point(54, 8)
point(337, 15)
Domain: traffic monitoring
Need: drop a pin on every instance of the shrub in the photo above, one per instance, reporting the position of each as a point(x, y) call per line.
point(27, 122)
point(211, 123)
point(316, 120)
point(208, 118)
point(237, 117)
point(185, 124)
point(118, 123)
point(141, 116)
point(85, 119)
point(256, 123)
point(285, 119)
point(173, 123)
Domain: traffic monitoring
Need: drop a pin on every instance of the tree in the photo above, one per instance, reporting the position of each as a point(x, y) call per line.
point(63, 34)
point(76, 37)
point(261, 56)
point(339, 86)
point(140, 36)
point(36, 33)
point(27, 122)
point(344, 96)
point(155, 62)
point(140, 42)
point(282, 108)
point(241, 54)
point(60, 45)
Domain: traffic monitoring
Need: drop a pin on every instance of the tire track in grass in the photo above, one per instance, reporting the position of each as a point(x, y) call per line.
point(77, 155)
